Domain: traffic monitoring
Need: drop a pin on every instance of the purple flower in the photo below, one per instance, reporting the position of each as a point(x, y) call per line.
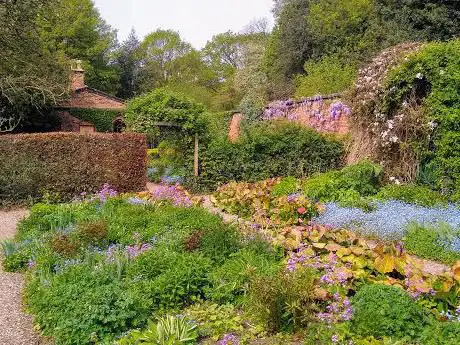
point(335, 338)
point(229, 339)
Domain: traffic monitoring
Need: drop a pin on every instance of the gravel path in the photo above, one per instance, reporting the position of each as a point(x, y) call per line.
point(16, 328)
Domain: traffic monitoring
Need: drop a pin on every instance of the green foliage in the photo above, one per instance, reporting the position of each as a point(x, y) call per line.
point(230, 282)
point(267, 150)
point(37, 163)
point(215, 320)
point(219, 244)
point(161, 105)
point(442, 333)
point(381, 310)
point(411, 193)
point(83, 306)
point(282, 301)
point(432, 242)
point(287, 185)
point(326, 76)
point(348, 184)
point(180, 284)
point(169, 330)
point(100, 118)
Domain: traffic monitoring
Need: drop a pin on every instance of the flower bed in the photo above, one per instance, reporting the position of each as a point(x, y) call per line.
point(134, 268)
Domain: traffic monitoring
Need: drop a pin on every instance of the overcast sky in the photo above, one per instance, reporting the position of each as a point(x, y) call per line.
point(196, 20)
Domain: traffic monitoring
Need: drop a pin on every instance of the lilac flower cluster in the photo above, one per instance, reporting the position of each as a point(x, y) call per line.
point(229, 339)
point(175, 194)
point(338, 310)
point(389, 218)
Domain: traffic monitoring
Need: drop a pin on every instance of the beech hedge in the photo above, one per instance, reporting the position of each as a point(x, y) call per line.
point(67, 164)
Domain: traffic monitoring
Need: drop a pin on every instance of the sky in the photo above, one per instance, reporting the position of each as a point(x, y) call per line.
point(196, 20)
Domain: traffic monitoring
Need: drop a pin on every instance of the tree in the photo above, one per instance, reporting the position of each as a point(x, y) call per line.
point(420, 19)
point(76, 28)
point(129, 65)
point(160, 53)
point(289, 45)
point(32, 76)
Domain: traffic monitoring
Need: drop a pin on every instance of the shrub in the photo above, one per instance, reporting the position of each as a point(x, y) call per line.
point(282, 301)
point(162, 105)
point(268, 149)
point(229, 282)
point(84, 306)
point(180, 283)
point(219, 244)
point(411, 193)
point(381, 310)
point(440, 243)
point(350, 183)
point(70, 163)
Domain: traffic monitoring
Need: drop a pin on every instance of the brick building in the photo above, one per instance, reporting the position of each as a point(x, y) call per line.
point(84, 97)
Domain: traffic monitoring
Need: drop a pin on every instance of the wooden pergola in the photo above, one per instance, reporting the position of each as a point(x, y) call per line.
point(195, 154)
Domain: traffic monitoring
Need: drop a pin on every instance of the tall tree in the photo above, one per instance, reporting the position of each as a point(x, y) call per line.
point(129, 64)
point(76, 28)
point(289, 44)
point(160, 53)
point(32, 76)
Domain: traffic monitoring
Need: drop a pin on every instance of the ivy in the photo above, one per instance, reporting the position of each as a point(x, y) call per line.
point(102, 119)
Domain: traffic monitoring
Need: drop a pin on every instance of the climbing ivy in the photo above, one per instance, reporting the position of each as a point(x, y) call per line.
point(102, 119)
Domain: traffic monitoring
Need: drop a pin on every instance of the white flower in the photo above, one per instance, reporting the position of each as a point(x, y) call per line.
point(394, 139)
point(419, 76)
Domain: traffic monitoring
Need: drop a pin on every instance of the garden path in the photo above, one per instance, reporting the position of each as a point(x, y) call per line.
point(16, 328)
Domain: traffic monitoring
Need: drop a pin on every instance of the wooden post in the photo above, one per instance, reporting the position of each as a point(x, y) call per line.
point(195, 160)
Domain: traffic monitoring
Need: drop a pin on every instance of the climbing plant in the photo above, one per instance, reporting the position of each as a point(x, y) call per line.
point(406, 113)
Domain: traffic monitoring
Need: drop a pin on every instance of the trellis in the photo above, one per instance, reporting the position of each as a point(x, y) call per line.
point(195, 153)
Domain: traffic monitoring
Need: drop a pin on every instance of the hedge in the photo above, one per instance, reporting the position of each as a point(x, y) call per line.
point(66, 164)
point(264, 150)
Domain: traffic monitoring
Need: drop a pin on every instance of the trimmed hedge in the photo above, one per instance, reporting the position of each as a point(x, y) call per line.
point(66, 164)
point(264, 150)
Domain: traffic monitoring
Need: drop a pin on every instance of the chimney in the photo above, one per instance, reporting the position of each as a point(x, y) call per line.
point(78, 75)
